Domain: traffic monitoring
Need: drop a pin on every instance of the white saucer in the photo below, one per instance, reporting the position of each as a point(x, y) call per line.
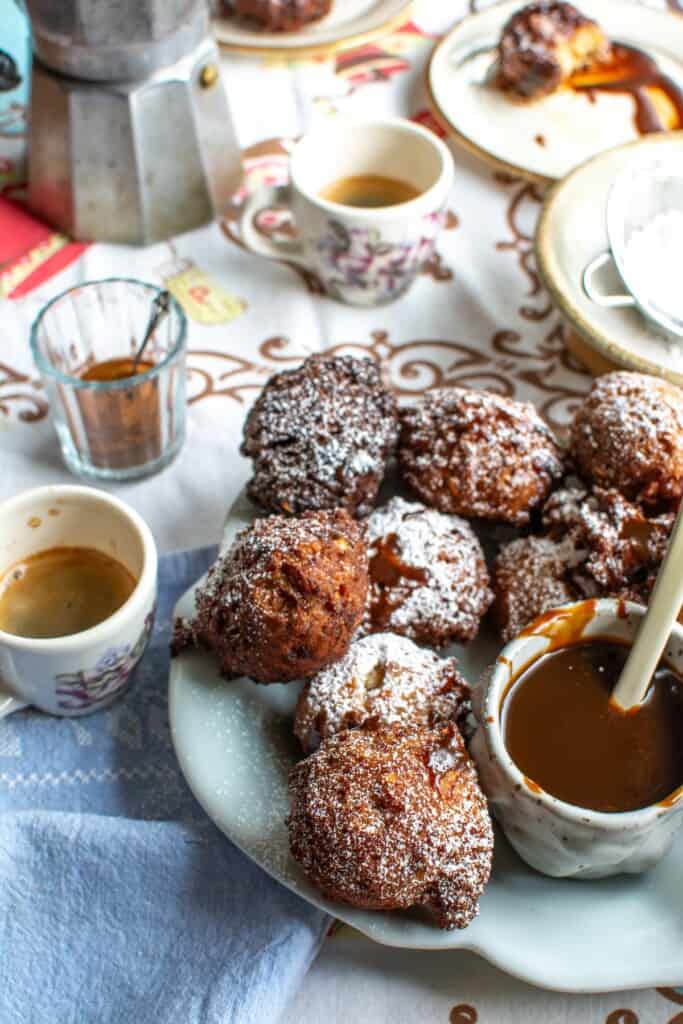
point(349, 23)
point(235, 746)
point(545, 139)
point(572, 231)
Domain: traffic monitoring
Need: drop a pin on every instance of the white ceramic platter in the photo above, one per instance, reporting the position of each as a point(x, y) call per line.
point(349, 23)
point(235, 746)
point(545, 139)
point(572, 230)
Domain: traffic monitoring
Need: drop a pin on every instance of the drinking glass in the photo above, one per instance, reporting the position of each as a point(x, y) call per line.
point(112, 429)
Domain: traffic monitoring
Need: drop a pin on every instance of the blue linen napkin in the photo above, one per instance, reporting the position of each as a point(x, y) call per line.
point(119, 900)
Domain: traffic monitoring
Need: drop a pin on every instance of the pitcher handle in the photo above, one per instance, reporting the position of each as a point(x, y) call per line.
point(600, 298)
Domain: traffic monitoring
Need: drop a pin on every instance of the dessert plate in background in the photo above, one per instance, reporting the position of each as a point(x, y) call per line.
point(349, 23)
point(235, 746)
point(545, 139)
point(572, 231)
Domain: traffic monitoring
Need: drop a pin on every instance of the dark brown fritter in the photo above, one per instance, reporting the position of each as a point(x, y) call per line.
point(530, 576)
point(393, 818)
point(628, 434)
point(543, 44)
point(595, 544)
point(620, 544)
point(428, 576)
point(477, 454)
point(320, 436)
point(382, 680)
point(285, 600)
point(281, 15)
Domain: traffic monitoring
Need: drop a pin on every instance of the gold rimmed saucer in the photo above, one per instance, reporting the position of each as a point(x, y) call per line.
point(544, 140)
point(350, 24)
point(571, 232)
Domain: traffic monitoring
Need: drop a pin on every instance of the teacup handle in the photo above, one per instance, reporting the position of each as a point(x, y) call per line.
point(599, 297)
point(269, 196)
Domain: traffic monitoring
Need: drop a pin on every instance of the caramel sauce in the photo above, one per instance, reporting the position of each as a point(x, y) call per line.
point(657, 98)
point(568, 739)
point(62, 591)
point(387, 570)
point(639, 532)
point(562, 626)
point(122, 427)
point(533, 786)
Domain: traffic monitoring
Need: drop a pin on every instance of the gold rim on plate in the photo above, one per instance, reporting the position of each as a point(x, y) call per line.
point(546, 263)
point(328, 49)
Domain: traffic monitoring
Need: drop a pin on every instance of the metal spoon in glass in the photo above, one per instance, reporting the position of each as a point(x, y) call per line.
point(653, 635)
point(160, 308)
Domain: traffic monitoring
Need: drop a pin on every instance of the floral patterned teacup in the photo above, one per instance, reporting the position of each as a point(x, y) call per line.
point(363, 256)
point(81, 673)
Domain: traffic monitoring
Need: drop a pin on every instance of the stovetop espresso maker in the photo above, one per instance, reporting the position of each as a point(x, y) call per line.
point(131, 138)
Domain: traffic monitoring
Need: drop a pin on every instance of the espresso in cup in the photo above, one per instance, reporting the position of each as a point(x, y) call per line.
point(369, 191)
point(62, 591)
point(78, 583)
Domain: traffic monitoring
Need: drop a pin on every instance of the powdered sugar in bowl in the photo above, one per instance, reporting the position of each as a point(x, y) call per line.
point(645, 232)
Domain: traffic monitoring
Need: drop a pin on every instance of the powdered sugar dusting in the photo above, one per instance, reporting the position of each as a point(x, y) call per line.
point(320, 436)
point(285, 599)
point(596, 544)
point(428, 576)
point(478, 454)
point(393, 818)
point(658, 280)
point(628, 434)
point(382, 680)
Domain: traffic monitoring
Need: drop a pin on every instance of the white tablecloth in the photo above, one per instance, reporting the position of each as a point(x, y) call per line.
point(479, 317)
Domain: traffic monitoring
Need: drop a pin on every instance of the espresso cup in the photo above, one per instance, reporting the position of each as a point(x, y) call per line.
point(81, 673)
point(364, 256)
point(554, 837)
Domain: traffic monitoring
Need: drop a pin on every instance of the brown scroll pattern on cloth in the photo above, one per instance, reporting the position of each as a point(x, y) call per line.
point(20, 396)
point(672, 994)
point(504, 365)
point(524, 203)
point(202, 383)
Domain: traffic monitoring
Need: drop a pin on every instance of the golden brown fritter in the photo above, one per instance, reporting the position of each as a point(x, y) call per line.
point(477, 454)
point(428, 576)
point(285, 600)
point(382, 680)
point(628, 434)
point(393, 818)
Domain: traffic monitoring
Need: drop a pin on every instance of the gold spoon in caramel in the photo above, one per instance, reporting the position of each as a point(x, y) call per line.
point(662, 611)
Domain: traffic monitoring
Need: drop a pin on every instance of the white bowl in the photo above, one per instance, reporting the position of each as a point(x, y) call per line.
point(554, 837)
